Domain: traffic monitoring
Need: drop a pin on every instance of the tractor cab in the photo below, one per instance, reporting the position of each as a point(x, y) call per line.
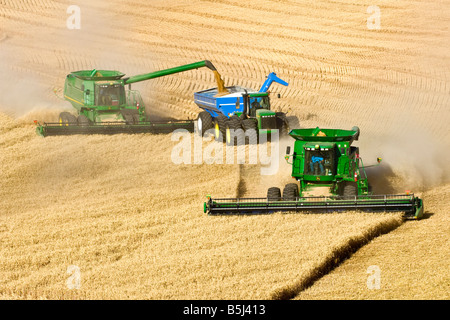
point(109, 94)
point(254, 102)
point(257, 106)
point(320, 159)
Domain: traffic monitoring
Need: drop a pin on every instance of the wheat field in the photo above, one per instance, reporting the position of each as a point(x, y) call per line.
point(131, 220)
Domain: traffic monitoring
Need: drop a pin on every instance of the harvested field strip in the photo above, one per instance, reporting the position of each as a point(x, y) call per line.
point(118, 208)
point(336, 257)
point(137, 237)
point(422, 256)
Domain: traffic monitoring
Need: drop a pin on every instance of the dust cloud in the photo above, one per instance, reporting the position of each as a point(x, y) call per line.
point(34, 90)
point(26, 96)
point(415, 160)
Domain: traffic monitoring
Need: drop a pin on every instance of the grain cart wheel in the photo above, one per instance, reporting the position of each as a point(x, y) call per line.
point(204, 123)
point(234, 132)
point(273, 194)
point(349, 190)
point(67, 119)
point(83, 120)
point(220, 124)
point(290, 192)
point(251, 131)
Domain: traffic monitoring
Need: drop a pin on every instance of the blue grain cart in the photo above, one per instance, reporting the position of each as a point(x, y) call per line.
point(240, 113)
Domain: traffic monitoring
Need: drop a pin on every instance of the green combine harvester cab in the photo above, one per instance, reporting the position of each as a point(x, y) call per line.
point(325, 158)
point(104, 103)
point(330, 176)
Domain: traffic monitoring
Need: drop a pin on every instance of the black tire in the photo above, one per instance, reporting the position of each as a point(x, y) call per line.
point(282, 123)
point(220, 124)
point(234, 133)
point(204, 122)
point(67, 119)
point(349, 190)
point(251, 131)
point(82, 120)
point(136, 119)
point(293, 122)
point(290, 192)
point(281, 119)
point(274, 194)
point(128, 117)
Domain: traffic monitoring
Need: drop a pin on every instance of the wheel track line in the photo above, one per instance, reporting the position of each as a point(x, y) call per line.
point(234, 20)
point(371, 66)
point(267, 34)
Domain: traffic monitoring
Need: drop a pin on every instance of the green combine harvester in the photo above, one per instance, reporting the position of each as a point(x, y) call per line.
point(322, 159)
point(103, 105)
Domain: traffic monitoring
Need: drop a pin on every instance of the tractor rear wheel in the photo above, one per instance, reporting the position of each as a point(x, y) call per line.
point(67, 119)
point(220, 123)
point(290, 192)
point(234, 132)
point(204, 122)
point(274, 194)
point(251, 131)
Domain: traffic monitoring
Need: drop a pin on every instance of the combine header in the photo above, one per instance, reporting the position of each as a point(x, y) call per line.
point(323, 160)
point(104, 106)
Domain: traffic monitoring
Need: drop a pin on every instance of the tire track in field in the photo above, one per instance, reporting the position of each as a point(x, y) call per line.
point(336, 258)
point(268, 35)
point(282, 28)
point(364, 81)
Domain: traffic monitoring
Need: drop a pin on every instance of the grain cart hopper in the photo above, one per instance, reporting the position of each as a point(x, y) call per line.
point(241, 112)
point(322, 158)
point(104, 105)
